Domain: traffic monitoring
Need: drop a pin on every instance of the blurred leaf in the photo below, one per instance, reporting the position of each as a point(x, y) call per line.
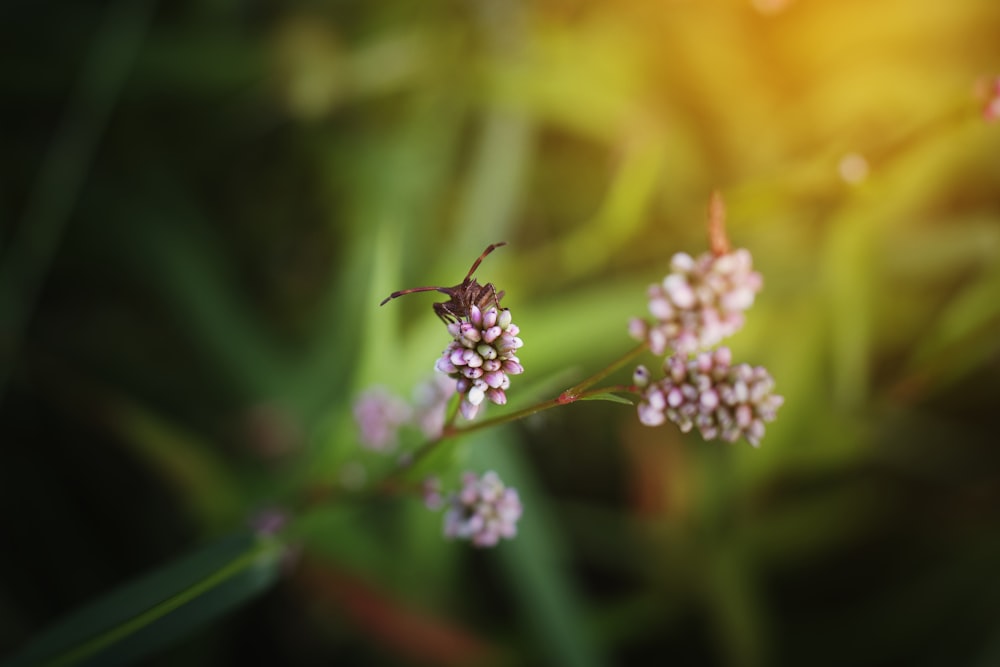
point(197, 61)
point(964, 334)
point(535, 564)
point(602, 311)
point(737, 607)
point(820, 520)
point(939, 252)
point(594, 243)
point(612, 398)
point(848, 267)
point(153, 611)
point(200, 479)
point(584, 79)
point(491, 197)
point(103, 70)
point(186, 261)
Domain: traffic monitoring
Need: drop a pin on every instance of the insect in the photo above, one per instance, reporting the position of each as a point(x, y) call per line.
point(464, 296)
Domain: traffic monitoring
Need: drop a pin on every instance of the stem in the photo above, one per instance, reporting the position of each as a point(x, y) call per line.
point(391, 485)
point(450, 422)
point(561, 399)
point(576, 391)
point(571, 395)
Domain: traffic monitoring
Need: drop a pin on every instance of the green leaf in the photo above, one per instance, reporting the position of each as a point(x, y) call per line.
point(159, 608)
point(550, 606)
point(613, 398)
point(963, 336)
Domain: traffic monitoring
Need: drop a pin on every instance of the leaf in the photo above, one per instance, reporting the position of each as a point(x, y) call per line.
point(962, 337)
point(198, 476)
point(613, 398)
point(159, 608)
point(550, 606)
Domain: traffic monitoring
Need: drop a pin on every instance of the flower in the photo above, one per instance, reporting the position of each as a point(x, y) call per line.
point(430, 402)
point(379, 415)
point(481, 357)
point(699, 303)
point(722, 400)
point(483, 511)
point(431, 492)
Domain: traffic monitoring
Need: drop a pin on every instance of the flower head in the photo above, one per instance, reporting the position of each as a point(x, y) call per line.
point(707, 391)
point(379, 415)
point(430, 401)
point(483, 511)
point(699, 303)
point(481, 357)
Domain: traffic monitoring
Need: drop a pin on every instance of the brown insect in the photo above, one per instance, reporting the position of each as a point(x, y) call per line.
point(464, 296)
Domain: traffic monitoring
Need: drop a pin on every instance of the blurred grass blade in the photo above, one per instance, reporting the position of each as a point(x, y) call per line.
point(963, 335)
point(198, 475)
point(104, 69)
point(535, 566)
point(151, 612)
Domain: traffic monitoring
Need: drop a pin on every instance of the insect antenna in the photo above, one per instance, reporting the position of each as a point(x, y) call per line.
point(394, 295)
point(475, 265)
point(464, 295)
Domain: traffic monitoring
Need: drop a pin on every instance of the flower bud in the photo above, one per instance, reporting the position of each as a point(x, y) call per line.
point(723, 401)
point(483, 511)
point(481, 357)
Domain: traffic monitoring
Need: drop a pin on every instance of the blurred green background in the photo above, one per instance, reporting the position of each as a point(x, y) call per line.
point(202, 203)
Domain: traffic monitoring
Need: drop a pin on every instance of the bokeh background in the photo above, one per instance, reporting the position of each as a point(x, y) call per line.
point(202, 203)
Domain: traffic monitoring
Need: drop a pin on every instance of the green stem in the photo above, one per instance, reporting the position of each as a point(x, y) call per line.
point(454, 431)
point(575, 393)
point(561, 399)
point(389, 485)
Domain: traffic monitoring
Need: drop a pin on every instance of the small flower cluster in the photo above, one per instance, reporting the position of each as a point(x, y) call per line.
point(700, 302)
point(483, 511)
point(430, 403)
point(481, 357)
point(380, 415)
point(707, 391)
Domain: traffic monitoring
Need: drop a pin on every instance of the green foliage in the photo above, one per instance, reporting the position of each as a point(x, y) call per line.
point(147, 614)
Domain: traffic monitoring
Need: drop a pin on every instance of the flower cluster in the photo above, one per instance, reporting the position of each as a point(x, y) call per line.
point(707, 391)
point(699, 303)
point(380, 415)
point(481, 357)
point(483, 511)
point(430, 401)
